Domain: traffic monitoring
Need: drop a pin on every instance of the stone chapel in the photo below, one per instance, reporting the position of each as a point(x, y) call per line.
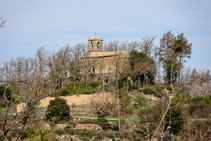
point(96, 62)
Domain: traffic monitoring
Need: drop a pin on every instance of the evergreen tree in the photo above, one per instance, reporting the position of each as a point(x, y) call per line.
point(59, 110)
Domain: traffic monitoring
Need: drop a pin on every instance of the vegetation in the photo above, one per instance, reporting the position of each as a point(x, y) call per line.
point(5, 91)
point(58, 111)
point(147, 90)
point(179, 108)
point(141, 99)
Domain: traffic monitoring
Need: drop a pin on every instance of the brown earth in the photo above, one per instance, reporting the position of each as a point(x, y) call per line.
point(81, 99)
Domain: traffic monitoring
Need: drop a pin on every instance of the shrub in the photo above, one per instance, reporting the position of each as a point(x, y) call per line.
point(176, 100)
point(60, 132)
point(95, 84)
point(101, 119)
point(71, 132)
point(59, 109)
point(27, 133)
point(197, 99)
point(147, 90)
point(86, 122)
point(206, 99)
point(64, 92)
point(141, 99)
point(174, 119)
point(123, 83)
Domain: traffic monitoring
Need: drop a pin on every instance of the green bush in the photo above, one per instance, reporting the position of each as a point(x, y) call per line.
point(64, 92)
point(27, 133)
point(60, 132)
point(101, 119)
point(8, 92)
point(141, 99)
point(71, 132)
point(196, 99)
point(174, 119)
point(13, 134)
point(86, 122)
point(95, 84)
point(123, 83)
point(147, 90)
point(206, 99)
point(59, 110)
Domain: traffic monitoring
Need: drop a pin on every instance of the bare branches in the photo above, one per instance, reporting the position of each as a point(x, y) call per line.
point(2, 22)
point(147, 44)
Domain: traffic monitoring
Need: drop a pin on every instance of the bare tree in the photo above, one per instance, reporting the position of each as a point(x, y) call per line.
point(32, 76)
point(77, 52)
point(124, 45)
point(147, 44)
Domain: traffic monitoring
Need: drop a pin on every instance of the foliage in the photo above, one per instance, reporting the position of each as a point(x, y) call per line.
point(142, 66)
point(101, 119)
point(174, 119)
point(95, 84)
point(182, 47)
point(147, 90)
point(196, 99)
point(39, 135)
point(141, 99)
point(176, 100)
point(59, 109)
point(185, 97)
point(125, 99)
point(206, 99)
point(8, 92)
point(78, 89)
point(43, 133)
point(123, 83)
point(60, 132)
point(28, 131)
point(171, 68)
point(65, 92)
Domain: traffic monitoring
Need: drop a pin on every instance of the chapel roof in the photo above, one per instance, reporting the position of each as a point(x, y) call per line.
point(95, 38)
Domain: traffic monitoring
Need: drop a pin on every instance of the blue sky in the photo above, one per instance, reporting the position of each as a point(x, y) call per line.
point(53, 24)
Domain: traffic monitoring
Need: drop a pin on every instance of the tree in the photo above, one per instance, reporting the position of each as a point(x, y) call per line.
point(146, 45)
point(165, 50)
point(170, 68)
point(142, 65)
point(75, 67)
point(206, 99)
point(121, 45)
point(197, 88)
point(182, 49)
point(174, 48)
point(58, 109)
point(32, 76)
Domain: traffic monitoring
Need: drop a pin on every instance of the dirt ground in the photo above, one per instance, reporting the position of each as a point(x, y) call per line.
point(81, 99)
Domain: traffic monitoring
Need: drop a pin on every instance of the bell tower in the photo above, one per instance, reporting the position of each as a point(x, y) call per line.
point(95, 44)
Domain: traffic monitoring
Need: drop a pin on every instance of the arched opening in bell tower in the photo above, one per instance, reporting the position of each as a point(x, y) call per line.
point(98, 46)
point(92, 45)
